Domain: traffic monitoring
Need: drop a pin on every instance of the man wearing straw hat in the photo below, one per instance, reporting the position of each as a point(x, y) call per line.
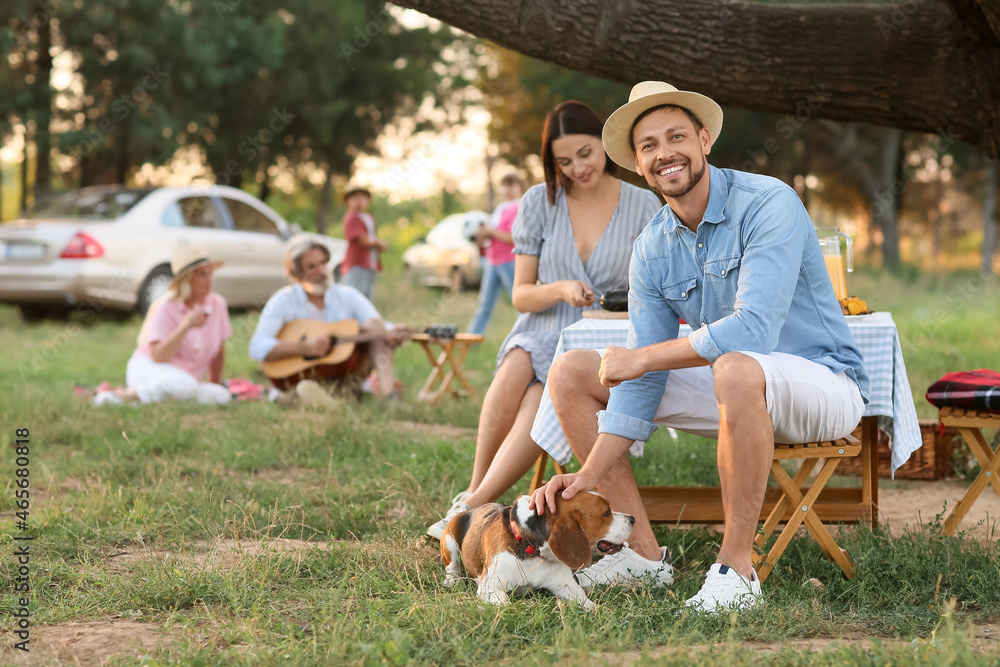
point(312, 295)
point(770, 357)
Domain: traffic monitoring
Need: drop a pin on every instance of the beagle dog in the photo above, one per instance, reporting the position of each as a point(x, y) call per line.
point(513, 550)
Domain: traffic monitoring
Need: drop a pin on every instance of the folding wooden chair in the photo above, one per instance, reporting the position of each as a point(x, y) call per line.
point(791, 503)
point(970, 424)
point(801, 501)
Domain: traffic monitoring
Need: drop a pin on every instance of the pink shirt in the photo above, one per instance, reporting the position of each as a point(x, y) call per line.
point(200, 344)
point(499, 252)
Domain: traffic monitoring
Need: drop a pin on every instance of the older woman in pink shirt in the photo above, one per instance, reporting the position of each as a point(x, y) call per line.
point(182, 343)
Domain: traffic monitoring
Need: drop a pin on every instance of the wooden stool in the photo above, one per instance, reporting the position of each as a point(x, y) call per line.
point(970, 424)
point(447, 366)
point(791, 502)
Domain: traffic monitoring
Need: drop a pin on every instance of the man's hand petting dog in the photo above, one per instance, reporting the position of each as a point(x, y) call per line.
point(570, 485)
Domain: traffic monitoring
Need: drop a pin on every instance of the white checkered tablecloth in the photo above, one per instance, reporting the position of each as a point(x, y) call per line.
point(875, 336)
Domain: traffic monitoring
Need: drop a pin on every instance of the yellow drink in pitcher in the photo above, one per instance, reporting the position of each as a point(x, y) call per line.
point(835, 267)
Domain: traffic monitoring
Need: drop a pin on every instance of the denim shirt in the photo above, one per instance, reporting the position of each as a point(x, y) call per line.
point(752, 279)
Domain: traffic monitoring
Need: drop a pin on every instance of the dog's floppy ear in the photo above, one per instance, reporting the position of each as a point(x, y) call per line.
point(569, 542)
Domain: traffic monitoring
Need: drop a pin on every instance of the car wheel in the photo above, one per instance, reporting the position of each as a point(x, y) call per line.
point(33, 313)
point(153, 287)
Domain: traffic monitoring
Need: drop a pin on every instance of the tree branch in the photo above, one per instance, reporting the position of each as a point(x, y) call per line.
point(911, 66)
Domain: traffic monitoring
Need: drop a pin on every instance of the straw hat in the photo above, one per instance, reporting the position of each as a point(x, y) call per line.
point(189, 259)
point(644, 96)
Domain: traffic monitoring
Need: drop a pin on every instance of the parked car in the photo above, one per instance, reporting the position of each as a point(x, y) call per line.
point(448, 257)
point(111, 246)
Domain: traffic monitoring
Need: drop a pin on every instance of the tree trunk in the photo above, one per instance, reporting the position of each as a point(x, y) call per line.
point(887, 195)
point(43, 114)
point(325, 201)
point(924, 65)
point(265, 184)
point(121, 159)
point(989, 216)
point(24, 173)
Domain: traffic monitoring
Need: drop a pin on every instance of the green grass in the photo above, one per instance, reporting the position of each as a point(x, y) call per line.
point(362, 482)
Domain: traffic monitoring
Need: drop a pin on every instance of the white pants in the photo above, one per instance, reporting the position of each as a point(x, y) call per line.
point(807, 402)
point(155, 382)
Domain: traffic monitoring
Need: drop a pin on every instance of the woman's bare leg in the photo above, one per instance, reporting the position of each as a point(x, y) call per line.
point(500, 408)
point(516, 455)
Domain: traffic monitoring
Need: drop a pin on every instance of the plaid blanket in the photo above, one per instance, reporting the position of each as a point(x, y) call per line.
point(969, 390)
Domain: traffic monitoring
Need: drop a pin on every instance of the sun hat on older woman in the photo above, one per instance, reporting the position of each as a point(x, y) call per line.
point(187, 260)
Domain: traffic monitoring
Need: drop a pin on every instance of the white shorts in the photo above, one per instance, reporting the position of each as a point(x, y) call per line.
point(807, 402)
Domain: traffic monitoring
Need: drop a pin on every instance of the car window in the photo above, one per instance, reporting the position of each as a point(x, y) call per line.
point(90, 204)
point(173, 217)
point(199, 212)
point(248, 219)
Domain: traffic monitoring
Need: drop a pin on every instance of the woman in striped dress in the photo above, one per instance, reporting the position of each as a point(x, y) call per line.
point(573, 241)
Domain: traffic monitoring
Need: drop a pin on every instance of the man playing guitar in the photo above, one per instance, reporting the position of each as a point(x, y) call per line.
point(313, 296)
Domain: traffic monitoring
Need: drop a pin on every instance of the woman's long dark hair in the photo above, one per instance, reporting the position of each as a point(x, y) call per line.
point(569, 117)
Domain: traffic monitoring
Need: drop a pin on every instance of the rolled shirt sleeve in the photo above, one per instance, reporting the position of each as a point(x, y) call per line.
point(272, 318)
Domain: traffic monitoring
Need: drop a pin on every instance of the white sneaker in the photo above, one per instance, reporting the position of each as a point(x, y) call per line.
point(628, 567)
point(725, 590)
point(458, 505)
point(312, 395)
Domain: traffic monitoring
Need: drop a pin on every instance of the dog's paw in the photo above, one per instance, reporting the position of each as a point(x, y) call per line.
point(451, 579)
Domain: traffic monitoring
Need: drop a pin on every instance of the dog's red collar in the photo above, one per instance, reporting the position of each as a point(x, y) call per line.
point(529, 549)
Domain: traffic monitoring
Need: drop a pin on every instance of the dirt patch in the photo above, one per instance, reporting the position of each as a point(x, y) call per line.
point(985, 642)
point(437, 431)
point(219, 553)
point(920, 502)
point(89, 644)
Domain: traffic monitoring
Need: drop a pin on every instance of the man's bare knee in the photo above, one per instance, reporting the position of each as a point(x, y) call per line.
point(576, 374)
point(735, 372)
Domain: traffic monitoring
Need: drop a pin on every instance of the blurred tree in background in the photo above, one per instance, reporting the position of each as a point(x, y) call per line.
point(243, 83)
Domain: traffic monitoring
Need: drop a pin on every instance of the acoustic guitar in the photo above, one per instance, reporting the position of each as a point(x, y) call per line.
point(346, 354)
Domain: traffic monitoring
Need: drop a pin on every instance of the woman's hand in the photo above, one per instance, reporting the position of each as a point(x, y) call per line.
point(577, 293)
point(620, 364)
point(196, 317)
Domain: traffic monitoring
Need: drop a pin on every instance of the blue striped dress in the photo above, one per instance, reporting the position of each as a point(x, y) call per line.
point(544, 230)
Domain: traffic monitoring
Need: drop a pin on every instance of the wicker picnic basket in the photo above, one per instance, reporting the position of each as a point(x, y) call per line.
point(934, 459)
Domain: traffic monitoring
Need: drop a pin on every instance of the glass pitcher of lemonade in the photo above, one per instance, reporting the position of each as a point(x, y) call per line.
point(829, 242)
